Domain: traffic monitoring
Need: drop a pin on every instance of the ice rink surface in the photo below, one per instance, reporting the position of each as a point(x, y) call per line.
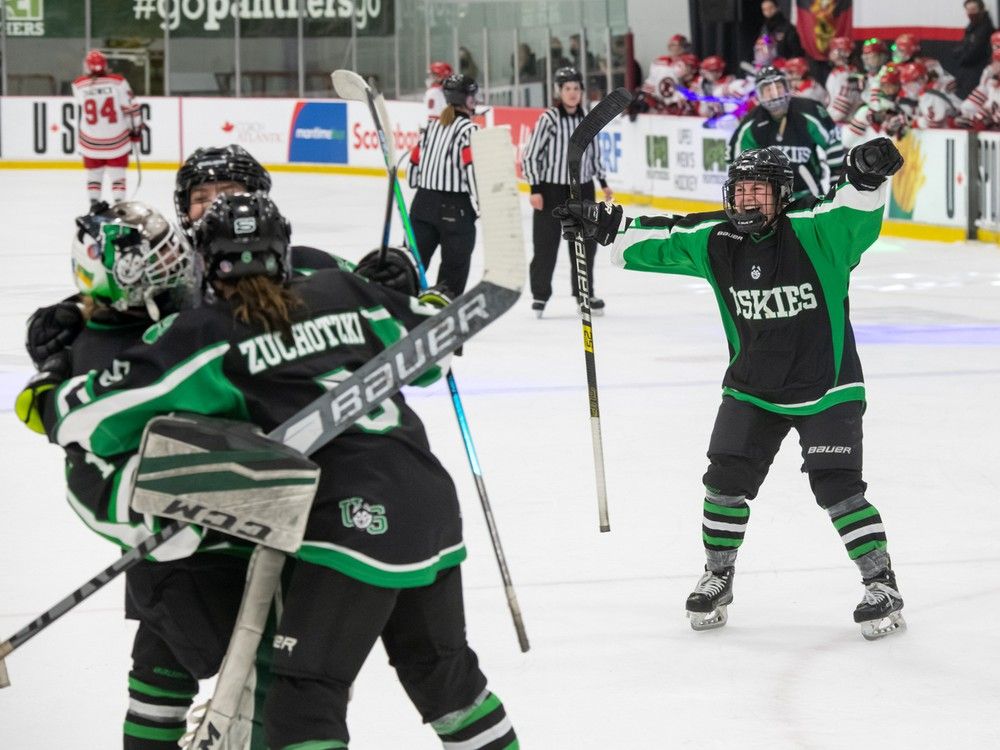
point(613, 662)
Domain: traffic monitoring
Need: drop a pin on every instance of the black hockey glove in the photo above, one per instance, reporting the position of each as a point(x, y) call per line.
point(868, 164)
point(30, 402)
point(51, 329)
point(396, 271)
point(596, 221)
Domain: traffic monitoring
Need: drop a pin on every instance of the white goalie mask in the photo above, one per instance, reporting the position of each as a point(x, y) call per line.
point(126, 255)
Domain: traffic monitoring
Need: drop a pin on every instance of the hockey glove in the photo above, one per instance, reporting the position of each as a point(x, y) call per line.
point(596, 221)
point(868, 164)
point(51, 329)
point(396, 271)
point(135, 134)
point(31, 400)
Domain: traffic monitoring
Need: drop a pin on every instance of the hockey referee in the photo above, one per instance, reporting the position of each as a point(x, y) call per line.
point(800, 128)
point(443, 211)
point(546, 170)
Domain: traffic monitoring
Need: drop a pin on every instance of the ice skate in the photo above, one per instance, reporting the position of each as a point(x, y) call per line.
point(707, 604)
point(538, 307)
point(596, 306)
point(880, 613)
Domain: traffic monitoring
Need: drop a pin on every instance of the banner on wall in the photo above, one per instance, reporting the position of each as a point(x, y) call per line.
point(819, 21)
point(927, 19)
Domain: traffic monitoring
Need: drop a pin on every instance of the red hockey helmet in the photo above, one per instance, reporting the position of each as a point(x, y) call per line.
point(841, 44)
point(912, 72)
point(679, 39)
point(440, 69)
point(797, 67)
point(713, 64)
point(690, 59)
point(890, 75)
point(905, 47)
point(95, 62)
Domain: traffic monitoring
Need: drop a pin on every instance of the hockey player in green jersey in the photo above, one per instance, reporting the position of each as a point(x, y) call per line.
point(799, 127)
point(780, 272)
point(383, 545)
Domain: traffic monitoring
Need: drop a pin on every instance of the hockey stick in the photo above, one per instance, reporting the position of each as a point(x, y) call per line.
point(138, 167)
point(381, 377)
point(501, 216)
point(604, 112)
point(349, 85)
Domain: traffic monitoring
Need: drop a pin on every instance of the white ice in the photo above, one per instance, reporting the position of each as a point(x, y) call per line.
point(613, 662)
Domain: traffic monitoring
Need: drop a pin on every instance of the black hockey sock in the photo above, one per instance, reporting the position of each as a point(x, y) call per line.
point(860, 527)
point(724, 524)
point(159, 699)
point(482, 726)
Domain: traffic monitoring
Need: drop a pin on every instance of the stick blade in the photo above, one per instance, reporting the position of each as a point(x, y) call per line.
point(499, 206)
point(349, 85)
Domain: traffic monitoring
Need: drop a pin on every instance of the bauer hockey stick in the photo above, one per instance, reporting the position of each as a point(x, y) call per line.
point(349, 85)
point(504, 252)
point(381, 377)
point(606, 110)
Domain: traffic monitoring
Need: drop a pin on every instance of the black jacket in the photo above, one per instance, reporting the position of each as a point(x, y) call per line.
point(784, 34)
point(972, 54)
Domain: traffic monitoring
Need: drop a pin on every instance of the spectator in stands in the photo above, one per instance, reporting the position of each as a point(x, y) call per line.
point(466, 65)
point(780, 29)
point(802, 82)
point(559, 60)
point(622, 64)
point(973, 52)
point(574, 53)
point(527, 65)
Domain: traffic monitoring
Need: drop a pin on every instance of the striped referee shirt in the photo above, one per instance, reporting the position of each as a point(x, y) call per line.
point(544, 159)
point(443, 158)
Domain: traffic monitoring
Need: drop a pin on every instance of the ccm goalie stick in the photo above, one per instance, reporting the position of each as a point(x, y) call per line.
point(349, 85)
point(380, 377)
point(606, 110)
point(307, 431)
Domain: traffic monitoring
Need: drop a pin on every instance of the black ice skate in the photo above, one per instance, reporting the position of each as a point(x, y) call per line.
point(880, 612)
point(538, 307)
point(707, 604)
point(596, 306)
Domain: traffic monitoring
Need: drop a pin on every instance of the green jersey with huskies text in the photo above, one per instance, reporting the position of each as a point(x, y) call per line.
point(806, 135)
point(783, 296)
point(386, 511)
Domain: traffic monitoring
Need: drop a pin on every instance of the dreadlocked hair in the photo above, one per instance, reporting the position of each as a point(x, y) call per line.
point(263, 301)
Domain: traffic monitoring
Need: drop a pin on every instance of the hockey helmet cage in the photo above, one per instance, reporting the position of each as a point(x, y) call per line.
point(458, 88)
point(127, 255)
point(777, 100)
point(758, 165)
point(95, 63)
point(244, 234)
point(230, 163)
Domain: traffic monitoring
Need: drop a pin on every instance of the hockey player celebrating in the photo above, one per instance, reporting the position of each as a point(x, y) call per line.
point(383, 544)
point(437, 72)
point(799, 127)
point(780, 271)
point(110, 121)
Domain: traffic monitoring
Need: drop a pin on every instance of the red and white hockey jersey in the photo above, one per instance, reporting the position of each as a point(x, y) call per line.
point(727, 87)
point(935, 109)
point(660, 88)
point(845, 87)
point(108, 115)
point(810, 89)
point(434, 102)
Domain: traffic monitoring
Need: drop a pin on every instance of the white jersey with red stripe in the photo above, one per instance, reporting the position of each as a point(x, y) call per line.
point(845, 85)
point(108, 114)
point(660, 88)
point(941, 80)
point(934, 109)
point(434, 101)
point(811, 89)
point(988, 115)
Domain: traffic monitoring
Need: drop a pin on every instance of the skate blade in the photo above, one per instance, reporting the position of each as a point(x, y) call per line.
point(873, 630)
point(539, 313)
point(709, 620)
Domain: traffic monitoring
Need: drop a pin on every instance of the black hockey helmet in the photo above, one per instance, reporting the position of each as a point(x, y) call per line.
point(457, 88)
point(777, 99)
point(567, 74)
point(217, 164)
point(244, 235)
point(758, 165)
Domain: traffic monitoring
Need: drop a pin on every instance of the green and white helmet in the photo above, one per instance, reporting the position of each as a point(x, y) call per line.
point(126, 255)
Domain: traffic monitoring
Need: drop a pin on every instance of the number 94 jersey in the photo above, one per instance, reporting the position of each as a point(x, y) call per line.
point(107, 115)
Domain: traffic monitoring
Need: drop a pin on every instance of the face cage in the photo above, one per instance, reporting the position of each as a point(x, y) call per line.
point(783, 191)
point(167, 265)
point(777, 105)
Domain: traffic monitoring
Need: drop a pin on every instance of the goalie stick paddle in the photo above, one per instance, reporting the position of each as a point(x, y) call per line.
point(504, 250)
point(378, 379)
point(604, 112)
point(349, 85)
